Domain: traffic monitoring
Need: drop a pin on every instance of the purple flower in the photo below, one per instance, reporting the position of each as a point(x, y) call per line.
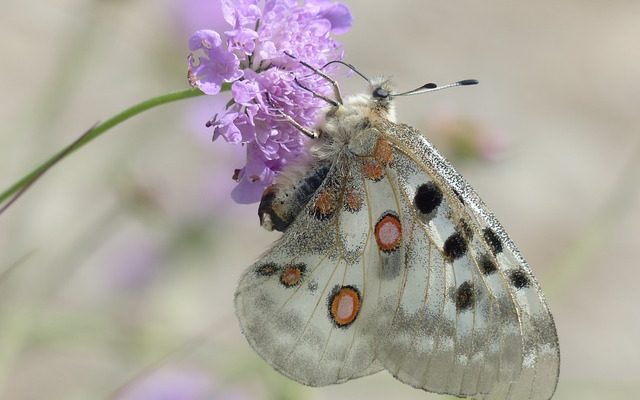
point(211, 64)
point(252, 58)
point(241, 12)
point(191, 15)
point(337, 14)
point(243, 39)
point(135, 263)
point(245, 91)
point(179, 384)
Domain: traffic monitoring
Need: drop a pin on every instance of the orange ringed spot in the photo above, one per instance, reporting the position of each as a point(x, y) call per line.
point(344, 305)
point(292, 275)
point(324, 204)
point(353, 201)
point(373, 170)
point(383, 152)
point(388, 232)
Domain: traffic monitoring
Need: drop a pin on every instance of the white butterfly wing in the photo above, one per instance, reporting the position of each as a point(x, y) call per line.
point(302, 305)
point(471, 318)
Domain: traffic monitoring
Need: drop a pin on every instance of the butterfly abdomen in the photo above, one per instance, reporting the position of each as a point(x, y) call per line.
point(281, 203)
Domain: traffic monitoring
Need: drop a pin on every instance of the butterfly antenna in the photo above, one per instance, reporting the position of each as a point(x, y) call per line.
point(432, 87)
point(350, 66)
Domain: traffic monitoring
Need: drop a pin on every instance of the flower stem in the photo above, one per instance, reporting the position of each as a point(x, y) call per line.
point(18, 188)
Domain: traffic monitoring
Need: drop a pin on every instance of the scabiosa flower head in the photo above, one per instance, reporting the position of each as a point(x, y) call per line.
point(252, 58)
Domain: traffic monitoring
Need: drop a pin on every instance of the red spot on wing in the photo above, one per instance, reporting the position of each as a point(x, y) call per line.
point(325, 204)
point(388, 232)
point(373, 170)
point(292, 275)
point(383, 152)
point(344, 305)
point(353, 201)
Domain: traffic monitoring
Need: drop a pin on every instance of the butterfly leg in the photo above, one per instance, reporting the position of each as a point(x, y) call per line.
point(333, 82)
point(306, 131)
point(318, 95)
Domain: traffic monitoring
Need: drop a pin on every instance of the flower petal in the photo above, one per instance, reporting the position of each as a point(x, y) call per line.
point(204, 39)
point(244, 91)
point(340, 17)
point(243, 39)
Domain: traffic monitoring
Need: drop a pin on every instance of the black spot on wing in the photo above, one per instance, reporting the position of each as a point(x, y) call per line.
point(267, 269)
point(466, 230)
point(487, 265)
point(492, 240)
point(465, 297)
point(519, 279)
point(428, 197)
point(455, 246)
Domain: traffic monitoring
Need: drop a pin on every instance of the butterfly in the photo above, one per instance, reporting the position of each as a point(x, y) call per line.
point(390, 261)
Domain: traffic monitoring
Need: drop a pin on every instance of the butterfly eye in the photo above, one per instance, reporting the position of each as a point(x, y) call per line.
point(380, 93)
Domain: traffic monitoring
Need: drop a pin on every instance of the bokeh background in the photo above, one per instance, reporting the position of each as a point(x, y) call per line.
point(117, 270)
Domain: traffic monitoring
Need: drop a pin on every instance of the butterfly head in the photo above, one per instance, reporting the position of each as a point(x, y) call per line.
point(380, 101)
point(374, 104)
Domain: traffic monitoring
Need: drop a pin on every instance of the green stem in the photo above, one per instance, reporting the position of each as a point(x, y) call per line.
point(91, 134)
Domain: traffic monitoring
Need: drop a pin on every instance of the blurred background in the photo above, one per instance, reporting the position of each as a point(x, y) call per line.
point(117, 270)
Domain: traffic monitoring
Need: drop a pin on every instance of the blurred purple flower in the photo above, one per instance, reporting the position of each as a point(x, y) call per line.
point(338, 14)
point(178, 384)
point(191, 15)
point(252, 58)
point(136, 263)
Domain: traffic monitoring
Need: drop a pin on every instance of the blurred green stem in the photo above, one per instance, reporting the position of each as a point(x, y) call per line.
point(23, 184)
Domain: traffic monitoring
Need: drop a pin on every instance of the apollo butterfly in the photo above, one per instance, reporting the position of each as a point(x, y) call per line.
point(390, 261)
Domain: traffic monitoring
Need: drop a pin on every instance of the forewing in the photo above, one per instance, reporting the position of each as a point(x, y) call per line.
point(471, 319)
